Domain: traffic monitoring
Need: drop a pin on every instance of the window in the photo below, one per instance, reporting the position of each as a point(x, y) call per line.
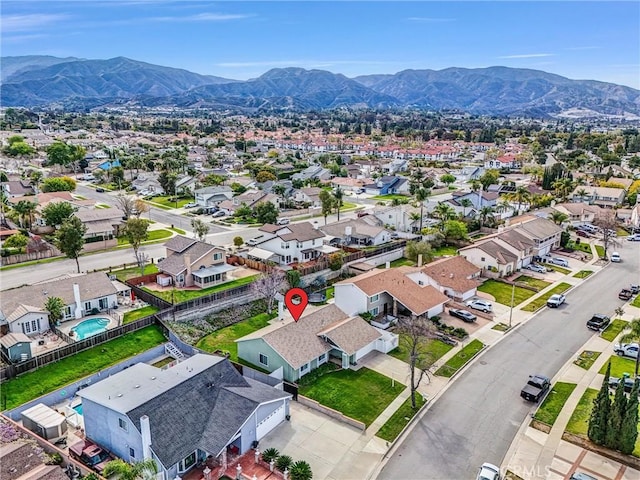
point(482, 259)
point(122, 423)
point(304, 368)
point(188, 462)
point(132, 452)
point(322, 358)
point(374, 311)
point(264, 360)
point(87, 306)
point(374, 298)
point(67, 312)
point(217, 256)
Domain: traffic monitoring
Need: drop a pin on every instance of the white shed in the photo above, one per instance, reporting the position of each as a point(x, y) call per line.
point(45, 421)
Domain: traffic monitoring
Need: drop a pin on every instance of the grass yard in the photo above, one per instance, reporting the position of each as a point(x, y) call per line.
point(391, 197)
point(583, 273)
point(550, 408)
point(448, 250)
point(71, 369)
point(434, 349)
point(582, 247)
point(502, 292)
point(600, 250)
point(636, 301)
point(330, 292)
point(178, 230)
point(362, 395)
point(586, 359)
point(184, 295)
point(134, 315)
point(456, 362)
point(562, 270)
point(542, 300)
point(615, 327)
point(399, 263)
point(127, 273)
point(224, 339)
point(533, 282)
point(401, 417)
point(501, 327)
point(348, 206)
point(151, 236)
point(619, 366)
point(164, 200)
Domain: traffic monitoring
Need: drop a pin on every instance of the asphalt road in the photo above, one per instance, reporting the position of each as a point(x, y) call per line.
point(478, 416)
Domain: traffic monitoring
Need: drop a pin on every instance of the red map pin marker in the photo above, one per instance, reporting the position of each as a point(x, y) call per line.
point(296, 309)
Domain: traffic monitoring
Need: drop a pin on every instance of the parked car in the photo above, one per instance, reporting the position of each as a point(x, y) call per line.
point(625, 294)
point(488, 471)
point(191, 205)
point(254, 241)
point(463, 315)
point(535, 388)
point(362, 213)
point(634, 238)
point(628, 382)
point(626, 349)
point(217, 214)
point(283, 221)
point(615, 257)
point(100, 190)
point(562, 262)
point(598, 322)
point(556, 300)
point(480, 304)
point(534, 267)
point(90, 454)
point(583, 233)
point(634, 288)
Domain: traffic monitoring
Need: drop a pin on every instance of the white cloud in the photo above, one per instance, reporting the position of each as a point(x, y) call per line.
point(202, 17)
point(19, 23)
point(529, 55)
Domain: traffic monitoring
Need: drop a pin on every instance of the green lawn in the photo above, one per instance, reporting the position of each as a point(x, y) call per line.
point(127, 273)
point(348, 206)
point(579, 421)
point(582, 247)
point(71, 369)
point(448, 250)
point(399, 263)
point(615, 327)
point(533, 282)
point(391, 197)
point(550, 408)
point(501, 327)
point(600, 250)
point(456, 362)
point(151, 236)
point(636, 301)
point(224, 339)
point(134, 315)
point(164, 200)
point(586, 359)
point(362, 395)
point(541, 301)
point(178, 230)
point(583, 273)
point(401, 417)
point(502, 292)
point(434, 349)
point(562, 270)
point(619, 366)
point(330, 292)
point(184, 295)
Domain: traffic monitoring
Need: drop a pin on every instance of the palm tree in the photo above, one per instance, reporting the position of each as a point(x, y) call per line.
point(520, 196)
point(55, 307)
point(301, 470)
point(465, 203)
point(632, 335)
point(476, 186)
point(143, 470)
point(485, 213)
point(26, 211)
point(581, 193)
point(444, 212)
point(563, 187)
point(559, 218)
point(338, 195)
point(421, 195)
point(414, 217)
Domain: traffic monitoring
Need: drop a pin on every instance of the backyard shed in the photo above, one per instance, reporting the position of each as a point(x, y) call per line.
point(16, 346)
point(45, 421)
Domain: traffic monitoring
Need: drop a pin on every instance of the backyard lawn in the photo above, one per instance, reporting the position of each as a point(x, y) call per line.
point(330, 292)
point(448, 250)
point(151, 236)
point(127, 273)
point(401, 417)
point(502, 292)
point(70, 369)
point(541, 301)
point(134, 315)
point(456, 362)
point(550, 408)
point(533, 282)
point(224, 339)
point(435, 349)
point(586, 358)
point(391, 197)
point(399, 263)
point(619, 366)
point(615, 327)
point(184, 295)
point(583, 273)
point(362, 394)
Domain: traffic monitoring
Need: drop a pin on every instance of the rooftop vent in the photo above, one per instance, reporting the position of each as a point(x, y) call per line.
point(153, 378)
point(137, 386)
point(119, 395)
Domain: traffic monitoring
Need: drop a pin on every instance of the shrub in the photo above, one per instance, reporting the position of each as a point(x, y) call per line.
point(53, 459)
point(460, 333)
point(284, 462)
point(301, 470)
point(270, 454)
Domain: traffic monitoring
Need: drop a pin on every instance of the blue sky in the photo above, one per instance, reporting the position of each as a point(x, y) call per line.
point(241, 40)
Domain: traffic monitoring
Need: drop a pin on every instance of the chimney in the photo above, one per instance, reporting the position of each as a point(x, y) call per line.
point(419, 260)
point(145, 430)
point(387, 265)
point(76, 297)
point(187, 264)
point(347, 231)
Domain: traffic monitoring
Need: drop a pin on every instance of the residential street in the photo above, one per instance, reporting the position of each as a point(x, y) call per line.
point(476, 419)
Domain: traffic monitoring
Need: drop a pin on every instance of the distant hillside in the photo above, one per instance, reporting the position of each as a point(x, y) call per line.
point(75, 83)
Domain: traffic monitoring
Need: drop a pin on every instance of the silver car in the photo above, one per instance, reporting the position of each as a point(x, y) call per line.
point(488, 471)
point(480, 304)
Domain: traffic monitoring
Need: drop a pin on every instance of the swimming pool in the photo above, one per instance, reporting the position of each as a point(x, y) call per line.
point(90, 327)
point(78, 409)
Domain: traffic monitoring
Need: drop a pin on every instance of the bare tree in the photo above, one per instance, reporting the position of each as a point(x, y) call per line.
point(200, 229)
point(268, 285)
point(608, 234)
point(127, 204)
point(140, 207)
point(418, 333)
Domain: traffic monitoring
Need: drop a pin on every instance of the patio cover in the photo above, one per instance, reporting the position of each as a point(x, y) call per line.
point(327, 249)
point(260, 253)
point(213, 270)
point(121, 287)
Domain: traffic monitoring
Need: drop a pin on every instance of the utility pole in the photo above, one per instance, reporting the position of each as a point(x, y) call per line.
point(513, 294)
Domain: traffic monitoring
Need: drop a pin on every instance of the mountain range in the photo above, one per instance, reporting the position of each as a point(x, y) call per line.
point(73, 83)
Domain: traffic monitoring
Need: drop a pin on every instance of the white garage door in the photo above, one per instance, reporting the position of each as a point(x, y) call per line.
point(270, 422)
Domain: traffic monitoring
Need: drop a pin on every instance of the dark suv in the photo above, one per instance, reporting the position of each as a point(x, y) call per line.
point(598, 322)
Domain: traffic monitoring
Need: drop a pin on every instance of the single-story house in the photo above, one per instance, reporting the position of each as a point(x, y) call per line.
point(18, 189)
point(302, 346)
point(608, 197)
point(102, 223)
point(454, 276)
point(355, 232)
point(181, 415)
point(388, 185)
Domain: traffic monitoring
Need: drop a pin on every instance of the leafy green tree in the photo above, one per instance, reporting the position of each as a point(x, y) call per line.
point(167, 181)
point(447, 179)
point(200, 229)
point(243, 211)
point(301, 470)
point(18, 148)
point(413, 249)
point(558, 217)
point(17, 240)
point(58, 154)
point(136, 231)
point(489, 177)
point(444, 212)
point(238, 241)
point(631, 334)
point(56, 213)
point(55, 306)
point(455, 230)
point(59, 184)
point(629, 431)
point(265, 212)
point(121, 470)
point(293, 278)
point(327, 201)
point(70, 238)
point(614, 421)
point(597, 430)
point(212, 180)
point(265, 176)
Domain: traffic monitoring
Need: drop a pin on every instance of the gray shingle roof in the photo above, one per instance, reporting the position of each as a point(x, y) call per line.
point(301, 232)
point(174, 264)
point(179, 243)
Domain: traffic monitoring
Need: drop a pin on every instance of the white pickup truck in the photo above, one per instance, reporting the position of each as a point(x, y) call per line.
point(556, 300)
point(626, 349)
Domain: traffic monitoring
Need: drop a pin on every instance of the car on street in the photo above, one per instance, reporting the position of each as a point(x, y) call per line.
point(559, 261)
point(583, 233)
point(598, 322)
point(463, 315)
point(634, 288)
point(480, 304)
point(100, 190)
point(556, 300)
point(488, 471)
point(534, 267)
point(626, 349)
point(625, 294)
point(283, 221)
point(191, 205)
point(634, 238)
point(615, 257)
point(535, 388)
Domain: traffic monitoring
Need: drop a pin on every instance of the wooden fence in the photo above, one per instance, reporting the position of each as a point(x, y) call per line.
point(247, 262)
